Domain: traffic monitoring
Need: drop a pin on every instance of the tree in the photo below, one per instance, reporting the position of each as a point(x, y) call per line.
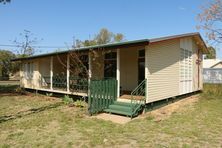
point(25, 45)
point(6, 66)
point(5, 1)
point(103, 37)
point(210, 20)
point(211, 54)
point(79, 67)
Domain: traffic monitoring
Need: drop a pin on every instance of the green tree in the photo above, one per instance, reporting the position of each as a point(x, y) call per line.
point(103, 37)
point(6, 66)
point(211, 54)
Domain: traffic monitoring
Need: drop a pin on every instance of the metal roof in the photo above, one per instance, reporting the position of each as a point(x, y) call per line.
point(118, 45)
point(109, 45)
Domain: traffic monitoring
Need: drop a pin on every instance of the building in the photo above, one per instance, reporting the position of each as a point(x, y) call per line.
point(212, 63)
point(142, 71)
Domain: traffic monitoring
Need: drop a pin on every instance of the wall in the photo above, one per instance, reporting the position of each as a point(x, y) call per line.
point(32, 82)
point(129, 68)
point(162, 69)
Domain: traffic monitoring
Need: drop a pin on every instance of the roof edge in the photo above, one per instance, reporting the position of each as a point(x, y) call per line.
point(109, 45)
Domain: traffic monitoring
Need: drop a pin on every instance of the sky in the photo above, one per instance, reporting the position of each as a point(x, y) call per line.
point(56, 22)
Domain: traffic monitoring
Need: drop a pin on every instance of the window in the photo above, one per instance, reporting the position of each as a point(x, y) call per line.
point(110, 65)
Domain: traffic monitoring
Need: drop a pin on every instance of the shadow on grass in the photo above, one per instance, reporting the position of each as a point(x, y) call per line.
point(28, 112)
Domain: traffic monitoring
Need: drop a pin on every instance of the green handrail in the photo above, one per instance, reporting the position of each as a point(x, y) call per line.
point(140, 90)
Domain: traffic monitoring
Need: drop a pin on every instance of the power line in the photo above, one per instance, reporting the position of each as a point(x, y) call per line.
point(7, 45)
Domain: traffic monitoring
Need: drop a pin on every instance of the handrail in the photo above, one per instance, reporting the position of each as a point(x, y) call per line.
point(140, 90)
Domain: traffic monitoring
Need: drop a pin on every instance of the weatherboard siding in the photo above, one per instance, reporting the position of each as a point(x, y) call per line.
point(163, 70)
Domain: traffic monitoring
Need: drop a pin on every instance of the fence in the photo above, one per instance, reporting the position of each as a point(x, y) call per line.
point(212, 75)
point(102, 94)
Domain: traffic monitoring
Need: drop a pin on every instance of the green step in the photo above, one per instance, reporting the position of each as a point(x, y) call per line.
point(120, 108)
point(122, 103)
point(118, 112)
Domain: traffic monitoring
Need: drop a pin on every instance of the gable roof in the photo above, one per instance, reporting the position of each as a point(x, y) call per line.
point(210, 63)
point(124, 44)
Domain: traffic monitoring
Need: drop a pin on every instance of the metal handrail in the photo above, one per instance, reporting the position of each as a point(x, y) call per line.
point(138, 91)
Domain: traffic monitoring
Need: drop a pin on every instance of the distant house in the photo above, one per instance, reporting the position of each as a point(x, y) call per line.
point(212, 63)
point(212, 71)
point(129, 75)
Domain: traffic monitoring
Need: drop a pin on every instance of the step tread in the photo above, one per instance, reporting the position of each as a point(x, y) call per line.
point(120, 107)
point(118, 112)
point(122, 103)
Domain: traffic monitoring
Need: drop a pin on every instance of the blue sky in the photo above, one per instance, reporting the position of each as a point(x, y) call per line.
point(57, 21)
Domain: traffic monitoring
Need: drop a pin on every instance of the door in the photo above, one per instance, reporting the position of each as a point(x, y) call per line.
point(141, 66)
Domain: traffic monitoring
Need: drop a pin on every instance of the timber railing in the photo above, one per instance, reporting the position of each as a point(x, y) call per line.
point(102, 93)
point(140, 93)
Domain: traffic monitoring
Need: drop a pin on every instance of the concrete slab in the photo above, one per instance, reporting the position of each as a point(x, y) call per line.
point(113, 118)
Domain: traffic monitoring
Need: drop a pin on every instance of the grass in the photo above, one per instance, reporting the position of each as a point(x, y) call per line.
point(35, 120)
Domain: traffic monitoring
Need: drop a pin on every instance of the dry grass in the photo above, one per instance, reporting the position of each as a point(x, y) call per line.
point(40, 121)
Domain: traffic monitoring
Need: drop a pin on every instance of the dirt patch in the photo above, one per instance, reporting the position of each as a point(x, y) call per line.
point(166, 111)
point(113, 118)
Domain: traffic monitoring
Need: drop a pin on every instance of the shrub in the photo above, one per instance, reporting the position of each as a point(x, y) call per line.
point(80, 103)
point(67, 100)
point(212, 90)
point(49, 94)
point(20, 90)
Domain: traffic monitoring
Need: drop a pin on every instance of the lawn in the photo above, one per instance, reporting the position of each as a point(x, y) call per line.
point(40, 121)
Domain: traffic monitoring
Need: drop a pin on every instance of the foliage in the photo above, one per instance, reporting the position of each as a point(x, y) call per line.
point(211, 54)
point(103, 37)
point(5, 1)
point(6, 66)
point(49, 94)
point(25, 44)
point(80, 103)
point(212, 91)
point(67, 100)
point(210, 20)
point(20, 90)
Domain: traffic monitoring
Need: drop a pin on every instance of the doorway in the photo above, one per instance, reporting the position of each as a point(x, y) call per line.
point(141, 66)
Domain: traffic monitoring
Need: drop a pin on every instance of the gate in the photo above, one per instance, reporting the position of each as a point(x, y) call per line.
point(102, 93)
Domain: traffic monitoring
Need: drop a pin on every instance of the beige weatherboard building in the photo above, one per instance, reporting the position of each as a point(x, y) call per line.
point(159, 68)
